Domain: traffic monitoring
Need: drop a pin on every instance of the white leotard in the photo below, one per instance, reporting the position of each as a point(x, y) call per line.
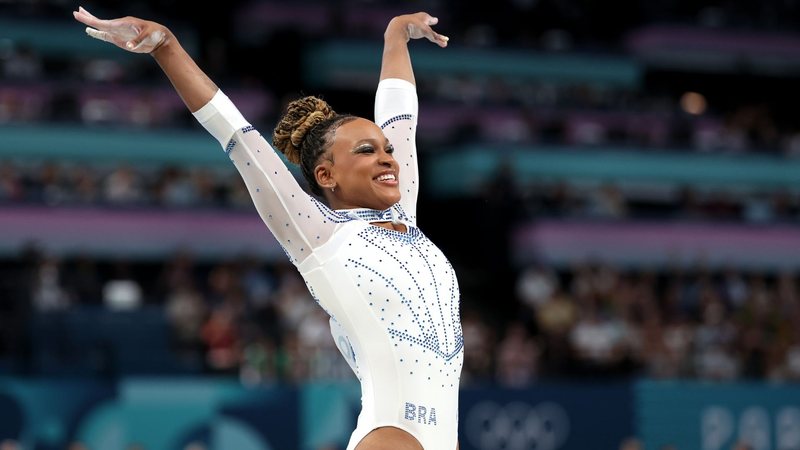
point(392, 297)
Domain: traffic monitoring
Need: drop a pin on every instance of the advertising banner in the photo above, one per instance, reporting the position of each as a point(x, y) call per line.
point(152, 414)
point(546, 417)
point(711, 416)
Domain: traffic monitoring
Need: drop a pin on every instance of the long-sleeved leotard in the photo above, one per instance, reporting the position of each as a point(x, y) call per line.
point(392, 296)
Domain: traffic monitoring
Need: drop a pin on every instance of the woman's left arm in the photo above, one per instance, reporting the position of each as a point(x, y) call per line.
point(396, 103)
point(396, 61)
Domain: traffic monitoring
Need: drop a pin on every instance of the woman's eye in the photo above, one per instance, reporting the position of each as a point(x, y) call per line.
point(389, 149)
point(365, 149)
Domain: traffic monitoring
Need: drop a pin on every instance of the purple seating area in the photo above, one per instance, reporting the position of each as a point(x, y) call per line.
point(118, 104)
point(581, 128)
point(160, 105)
point(714, 49)
point(258, 18)
point(24, 102)
point(133, 105)
point(370, 19)
point(503, 110)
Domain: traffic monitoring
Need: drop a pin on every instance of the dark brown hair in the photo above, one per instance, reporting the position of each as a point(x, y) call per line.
point(305, 132)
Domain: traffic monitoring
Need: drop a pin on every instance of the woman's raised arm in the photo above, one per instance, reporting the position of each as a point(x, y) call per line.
point(396, 60)
point(299, 222)
point(144, 36)
point(396, 104)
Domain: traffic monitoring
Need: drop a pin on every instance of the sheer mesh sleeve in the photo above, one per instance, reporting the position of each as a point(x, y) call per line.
point(396, 109)
point(299, 222)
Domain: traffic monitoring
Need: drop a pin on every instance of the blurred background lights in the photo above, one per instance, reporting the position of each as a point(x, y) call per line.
point(693, 103)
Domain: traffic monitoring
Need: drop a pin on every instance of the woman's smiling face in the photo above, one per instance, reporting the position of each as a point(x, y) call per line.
point(360, 167)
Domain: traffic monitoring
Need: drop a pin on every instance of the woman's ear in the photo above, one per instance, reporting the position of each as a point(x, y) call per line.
point(324, 175)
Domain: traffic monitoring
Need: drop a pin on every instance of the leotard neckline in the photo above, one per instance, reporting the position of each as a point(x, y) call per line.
point(372, 215)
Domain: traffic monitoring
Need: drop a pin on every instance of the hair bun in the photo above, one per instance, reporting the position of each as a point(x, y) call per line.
point(300, 117)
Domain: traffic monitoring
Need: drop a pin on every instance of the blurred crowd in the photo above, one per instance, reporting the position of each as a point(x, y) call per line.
point(55, 184)
point(680, 323)
point(255, 319)
point(652, 113)
point(454, 110)
point(241, 316)
point(176, 187)
point(513, 22)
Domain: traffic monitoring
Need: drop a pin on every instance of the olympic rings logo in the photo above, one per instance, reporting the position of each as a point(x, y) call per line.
point(516, 426)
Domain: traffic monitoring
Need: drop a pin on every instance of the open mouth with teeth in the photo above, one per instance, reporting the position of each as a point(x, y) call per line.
point(387, 179)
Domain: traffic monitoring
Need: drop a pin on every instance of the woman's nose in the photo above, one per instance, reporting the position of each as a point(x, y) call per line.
point(386, 158)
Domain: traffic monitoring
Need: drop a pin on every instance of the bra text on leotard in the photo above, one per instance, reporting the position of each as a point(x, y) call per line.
point(420, 414)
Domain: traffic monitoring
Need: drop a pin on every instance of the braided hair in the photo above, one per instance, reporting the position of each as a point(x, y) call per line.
point(304, 134)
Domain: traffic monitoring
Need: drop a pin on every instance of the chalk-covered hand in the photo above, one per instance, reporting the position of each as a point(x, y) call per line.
point(417, 26)
point(128, 33)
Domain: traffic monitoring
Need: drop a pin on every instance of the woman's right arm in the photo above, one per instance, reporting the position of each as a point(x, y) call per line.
point(299, 222)
point(144, 36)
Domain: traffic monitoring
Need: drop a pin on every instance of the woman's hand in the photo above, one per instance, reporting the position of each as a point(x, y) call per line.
point(128, 33)
point(415, 26)
point(143, 36)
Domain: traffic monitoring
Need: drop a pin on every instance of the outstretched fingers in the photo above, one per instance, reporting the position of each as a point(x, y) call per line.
point(435, 37)
point(439, 39)
point(421, 27)
point(96, 28)
point(97, 34)
point(129, 33)
point(85, 17)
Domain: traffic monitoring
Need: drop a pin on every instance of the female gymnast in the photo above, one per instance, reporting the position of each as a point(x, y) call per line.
point(391, 294)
